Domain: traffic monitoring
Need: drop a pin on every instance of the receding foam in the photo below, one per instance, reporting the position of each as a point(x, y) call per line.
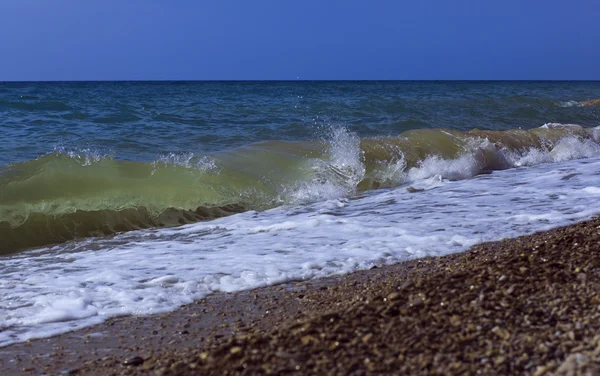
point(80, 283)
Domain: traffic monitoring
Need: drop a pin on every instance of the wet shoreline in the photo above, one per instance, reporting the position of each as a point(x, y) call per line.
point(529, 305)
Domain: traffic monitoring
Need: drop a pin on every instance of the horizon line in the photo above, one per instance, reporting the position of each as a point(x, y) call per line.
point(300, 80)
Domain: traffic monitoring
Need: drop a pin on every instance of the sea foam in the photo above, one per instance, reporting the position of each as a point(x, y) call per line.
point(53, 290)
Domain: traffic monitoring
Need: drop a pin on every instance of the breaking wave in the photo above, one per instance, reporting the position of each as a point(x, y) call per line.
point(70, 194)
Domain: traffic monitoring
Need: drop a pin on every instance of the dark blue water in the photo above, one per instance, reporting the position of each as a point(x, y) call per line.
point(142, 120)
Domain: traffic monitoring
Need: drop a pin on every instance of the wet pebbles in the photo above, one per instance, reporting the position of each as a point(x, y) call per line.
point(529, 305)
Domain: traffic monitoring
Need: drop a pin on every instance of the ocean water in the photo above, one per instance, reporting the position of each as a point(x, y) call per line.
point(136, 197)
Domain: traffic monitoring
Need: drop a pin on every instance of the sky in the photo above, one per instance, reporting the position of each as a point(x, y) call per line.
point(299, 39)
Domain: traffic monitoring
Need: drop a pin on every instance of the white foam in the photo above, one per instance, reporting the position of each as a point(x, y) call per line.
point(592, 190)
point(85, 156)
point(187, 160)
point(567, 148)
point(69, 286)
point(559, 125)
point(574, 148)
point(432, 170)
point(335, 176)
point(570, 103)
point(464, 167)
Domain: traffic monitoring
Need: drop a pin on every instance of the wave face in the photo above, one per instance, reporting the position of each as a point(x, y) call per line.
point(65, 195)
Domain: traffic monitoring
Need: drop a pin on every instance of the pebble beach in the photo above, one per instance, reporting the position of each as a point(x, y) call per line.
point(529, 305)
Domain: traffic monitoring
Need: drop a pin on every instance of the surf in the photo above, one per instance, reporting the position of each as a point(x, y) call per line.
point(72, 194)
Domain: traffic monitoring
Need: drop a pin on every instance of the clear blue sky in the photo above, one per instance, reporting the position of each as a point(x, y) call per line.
point(309, 39)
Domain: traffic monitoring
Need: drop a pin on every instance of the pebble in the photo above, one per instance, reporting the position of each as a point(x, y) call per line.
point(133, 361)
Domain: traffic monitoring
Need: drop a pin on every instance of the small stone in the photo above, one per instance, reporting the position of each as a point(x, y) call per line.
point(133, 361)
point(502, 333)
point(284, 355)
point(307, 339)
point(393, 296)
point(542, 348)
point(572, 364)
point(455, 321)
point(405, 285)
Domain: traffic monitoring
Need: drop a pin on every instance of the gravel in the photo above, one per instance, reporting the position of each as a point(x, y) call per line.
point(529, 305)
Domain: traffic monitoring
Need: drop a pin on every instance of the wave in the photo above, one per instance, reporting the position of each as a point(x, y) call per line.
point(68, 194)
point(572, 103)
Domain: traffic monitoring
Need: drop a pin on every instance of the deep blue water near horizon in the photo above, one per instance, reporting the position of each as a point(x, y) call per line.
point(140, 121)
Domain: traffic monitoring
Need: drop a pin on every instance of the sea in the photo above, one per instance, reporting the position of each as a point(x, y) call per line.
point(121, 198)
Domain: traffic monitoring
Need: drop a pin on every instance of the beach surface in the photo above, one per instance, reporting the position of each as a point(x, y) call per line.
point(529, 305)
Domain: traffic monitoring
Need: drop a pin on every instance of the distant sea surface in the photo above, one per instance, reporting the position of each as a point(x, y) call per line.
point(141, 121)
point(136, 197)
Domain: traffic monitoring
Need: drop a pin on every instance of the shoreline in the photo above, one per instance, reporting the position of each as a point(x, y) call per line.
point(528, 305)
